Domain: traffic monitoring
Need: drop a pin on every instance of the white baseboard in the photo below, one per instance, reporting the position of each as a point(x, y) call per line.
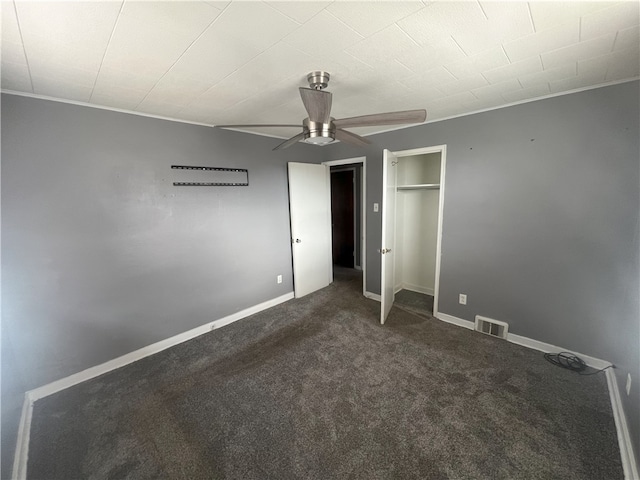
point(548, 348)
point(455, 320)
point(417, 289)
point(403, 286)
point(373, 296)
point(22, 446)
point(143, 352)
point(627, 455)
point(527, 342)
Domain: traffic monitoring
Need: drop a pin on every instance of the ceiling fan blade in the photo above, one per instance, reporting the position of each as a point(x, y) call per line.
point(317, 103)
point(389, 118)
point(255, 126)
point(352, 138)
point(291, 141)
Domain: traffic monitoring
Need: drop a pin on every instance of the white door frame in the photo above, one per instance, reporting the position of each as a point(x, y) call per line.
point(442, 149)
point(363, 213)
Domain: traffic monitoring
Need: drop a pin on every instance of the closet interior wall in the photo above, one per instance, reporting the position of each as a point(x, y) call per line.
point(417, 202)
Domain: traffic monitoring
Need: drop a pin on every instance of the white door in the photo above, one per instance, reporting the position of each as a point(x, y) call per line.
point(309, 206)
point(387, 248)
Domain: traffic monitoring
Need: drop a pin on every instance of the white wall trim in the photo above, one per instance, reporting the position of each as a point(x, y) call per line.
point(373, 296)
point(101, 107)
point(511, 104)
point(363, 213)
point(130, 112)
point(345, 161)
point(549, 348)
point(22, 445)
point(417, 289)
point(413, 152)
point(627, 456)
point(24, 434)
point(247, 312)
point(528, 342)
point(143, 352)
point(455, 320)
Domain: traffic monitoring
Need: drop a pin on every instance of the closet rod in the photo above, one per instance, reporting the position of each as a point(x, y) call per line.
point(425, 186)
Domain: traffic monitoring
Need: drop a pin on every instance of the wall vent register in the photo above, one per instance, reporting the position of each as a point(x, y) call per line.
point(492, 327)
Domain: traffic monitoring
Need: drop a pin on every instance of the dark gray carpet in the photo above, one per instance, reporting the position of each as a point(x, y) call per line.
point(414, 302)
point(317, 389)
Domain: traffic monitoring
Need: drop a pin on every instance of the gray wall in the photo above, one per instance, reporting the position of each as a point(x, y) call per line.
point(540, 225)
point(101, 255)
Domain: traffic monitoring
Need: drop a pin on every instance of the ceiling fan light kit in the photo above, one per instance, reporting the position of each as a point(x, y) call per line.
point(318, 133)
point(319, 128)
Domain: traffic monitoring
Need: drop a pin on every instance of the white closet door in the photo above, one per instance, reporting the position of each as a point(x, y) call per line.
point(389, 173)
point(309, 206)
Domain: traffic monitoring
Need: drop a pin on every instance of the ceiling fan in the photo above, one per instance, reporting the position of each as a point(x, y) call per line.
point(321, 128)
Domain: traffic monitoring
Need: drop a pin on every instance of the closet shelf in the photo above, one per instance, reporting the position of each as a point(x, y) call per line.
point(423, 186)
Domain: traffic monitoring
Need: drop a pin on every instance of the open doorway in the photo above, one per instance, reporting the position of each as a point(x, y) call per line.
point(344, 221)
point(348, 184)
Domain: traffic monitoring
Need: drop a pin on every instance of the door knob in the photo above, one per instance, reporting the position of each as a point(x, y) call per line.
point(298, 240)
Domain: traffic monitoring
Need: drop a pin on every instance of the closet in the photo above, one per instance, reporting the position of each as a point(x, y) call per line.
point(417, 210)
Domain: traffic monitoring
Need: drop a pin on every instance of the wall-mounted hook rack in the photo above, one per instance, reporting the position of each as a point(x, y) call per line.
point(229, 177)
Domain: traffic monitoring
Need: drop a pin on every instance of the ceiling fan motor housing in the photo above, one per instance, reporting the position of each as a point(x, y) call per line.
point(318, 133)
point(318, 80)
point(319, 128)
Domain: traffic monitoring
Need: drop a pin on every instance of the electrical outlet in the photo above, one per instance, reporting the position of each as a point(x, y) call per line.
point(279, 278)
point(628, 387)
point(462, 299)
point(375, 207)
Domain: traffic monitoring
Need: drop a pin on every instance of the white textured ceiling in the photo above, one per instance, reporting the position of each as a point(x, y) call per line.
point(242, 61)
